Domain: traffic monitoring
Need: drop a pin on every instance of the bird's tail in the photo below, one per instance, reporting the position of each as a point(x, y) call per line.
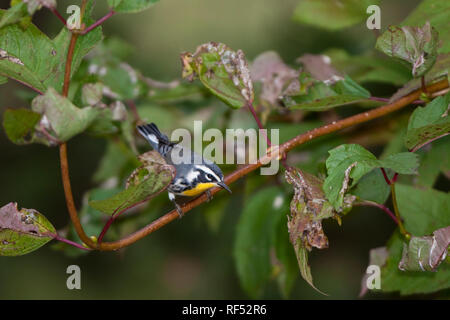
point(159, 141)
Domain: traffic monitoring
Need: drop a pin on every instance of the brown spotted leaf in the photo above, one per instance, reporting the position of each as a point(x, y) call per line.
point(222, 71)
point(145, 182)
point(308, 208)
point(23, 231)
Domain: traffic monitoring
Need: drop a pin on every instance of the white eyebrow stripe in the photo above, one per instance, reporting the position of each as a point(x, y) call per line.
point(192, 175)
point(208, 170)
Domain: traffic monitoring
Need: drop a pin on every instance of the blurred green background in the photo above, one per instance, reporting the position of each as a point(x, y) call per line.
point(185, 259)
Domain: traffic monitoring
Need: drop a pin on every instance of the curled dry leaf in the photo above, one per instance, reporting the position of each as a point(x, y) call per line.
point(223, 71)
point(425, 253)
point(417, 46)
point(23, 231)
point(308, 208)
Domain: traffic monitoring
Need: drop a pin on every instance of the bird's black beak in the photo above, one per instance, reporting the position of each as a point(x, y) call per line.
point(223, 185)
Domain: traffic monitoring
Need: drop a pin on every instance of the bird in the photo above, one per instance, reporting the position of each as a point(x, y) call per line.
point(194, 176)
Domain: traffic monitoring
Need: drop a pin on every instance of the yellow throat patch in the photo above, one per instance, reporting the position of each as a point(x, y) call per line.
point(199, 188)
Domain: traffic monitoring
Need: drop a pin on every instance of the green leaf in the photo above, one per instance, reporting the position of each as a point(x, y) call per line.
point(130, 6)
point(222, 71)
point(348, 163)
point(434, 161)
point(23, 231)
point(439, 71)
point(372, 187)
point(64, 119)
point(428, 123)
point(321, 96)
point(29, 56)
point(144, 183)
point(19, 124)
point(404, 162)
point(436, 13)
point(14, 14)
point(425, 253)
point(332, 14)
point(416, 46)
point(423, 211)
point(254, 237)
point(369, 67)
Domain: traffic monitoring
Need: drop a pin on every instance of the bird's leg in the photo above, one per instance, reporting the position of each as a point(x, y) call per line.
point(208, 195)
point(177, 206)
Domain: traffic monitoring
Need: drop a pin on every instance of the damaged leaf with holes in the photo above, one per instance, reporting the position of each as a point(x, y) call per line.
point(145, 182)
point(23, 231)
point(415, 46)
point(322, 87)
point(348, 163)
point(19, 125)
point(222, 71)
point(308, 208)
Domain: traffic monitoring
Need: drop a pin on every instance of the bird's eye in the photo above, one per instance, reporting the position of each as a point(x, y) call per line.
point(209, 177)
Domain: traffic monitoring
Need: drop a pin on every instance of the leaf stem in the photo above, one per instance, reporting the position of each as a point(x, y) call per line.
point(258, 122)
point(58, 15)
point(379, 99)
point(403, 231)
point(386, 178)
point(380, 206)
point(72, 243)
point(98, 22)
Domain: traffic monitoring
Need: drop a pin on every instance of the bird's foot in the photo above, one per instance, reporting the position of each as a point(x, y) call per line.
point(179, 210)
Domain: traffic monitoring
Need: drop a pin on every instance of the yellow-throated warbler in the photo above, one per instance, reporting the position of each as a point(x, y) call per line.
point(193, 176)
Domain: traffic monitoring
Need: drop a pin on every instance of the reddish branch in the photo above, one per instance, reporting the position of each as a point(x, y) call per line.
point(98, 22)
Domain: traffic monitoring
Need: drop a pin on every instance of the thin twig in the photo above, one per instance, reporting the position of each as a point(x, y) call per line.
point(98, 22)
point(377, 205)
point(72, 243)
point(403, 231)
point(258, 122)
point(134, 111)
point(58, 15)
point(386, 178)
